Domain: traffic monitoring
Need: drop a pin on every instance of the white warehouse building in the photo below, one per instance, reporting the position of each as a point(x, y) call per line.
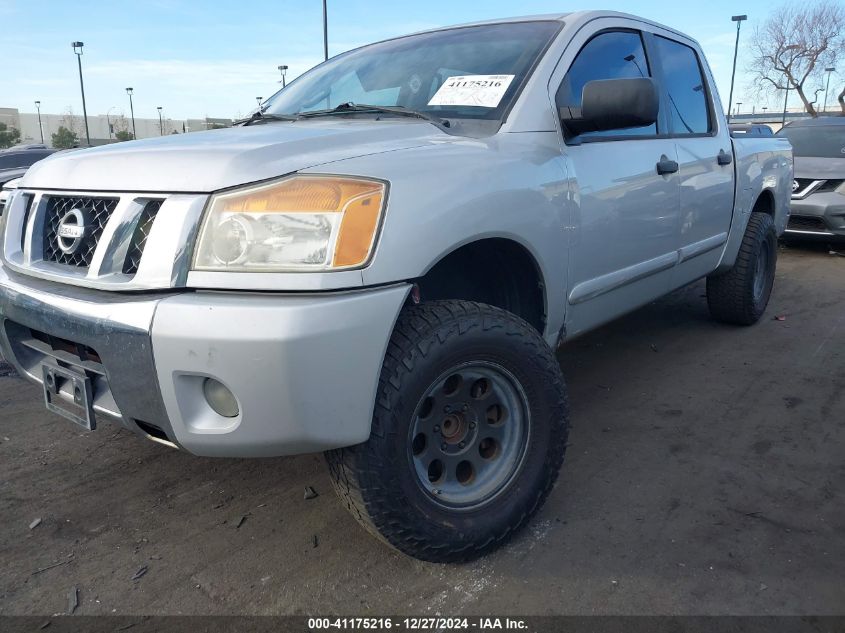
point(102, 127)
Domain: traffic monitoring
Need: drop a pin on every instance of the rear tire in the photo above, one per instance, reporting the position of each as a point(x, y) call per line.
point(740, 296)
point(468, 434)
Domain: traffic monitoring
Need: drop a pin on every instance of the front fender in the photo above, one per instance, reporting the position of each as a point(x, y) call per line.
point(446, 195)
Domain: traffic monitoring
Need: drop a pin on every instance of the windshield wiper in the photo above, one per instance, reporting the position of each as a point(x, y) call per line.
point(348, 107)
point(258, 115)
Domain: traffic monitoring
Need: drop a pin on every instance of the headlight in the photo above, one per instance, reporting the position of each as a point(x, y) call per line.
point(299, 223)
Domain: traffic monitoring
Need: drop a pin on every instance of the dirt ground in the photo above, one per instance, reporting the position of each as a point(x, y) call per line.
point(705, 476)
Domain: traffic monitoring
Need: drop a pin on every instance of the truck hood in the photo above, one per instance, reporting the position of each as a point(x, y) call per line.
point(201, 162)
point(816, 168)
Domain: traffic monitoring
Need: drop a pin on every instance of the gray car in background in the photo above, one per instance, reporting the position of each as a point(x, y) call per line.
point(14, 161)
point(818, 190)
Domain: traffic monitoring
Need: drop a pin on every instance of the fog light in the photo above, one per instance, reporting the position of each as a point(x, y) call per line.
point(219, 398)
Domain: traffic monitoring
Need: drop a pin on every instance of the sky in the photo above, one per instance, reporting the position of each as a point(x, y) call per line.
point(213, 58)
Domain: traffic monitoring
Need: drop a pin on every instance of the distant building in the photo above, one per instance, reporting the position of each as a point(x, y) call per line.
point(102, 127)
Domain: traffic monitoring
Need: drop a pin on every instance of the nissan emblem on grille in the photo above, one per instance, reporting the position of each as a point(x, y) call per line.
point(795, 186)
point(73, 226)
point(72, 230)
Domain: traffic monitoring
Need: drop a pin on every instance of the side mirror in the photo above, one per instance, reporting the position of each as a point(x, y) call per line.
point(613, 104)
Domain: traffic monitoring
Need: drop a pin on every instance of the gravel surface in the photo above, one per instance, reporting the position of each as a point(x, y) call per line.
point(705, 476)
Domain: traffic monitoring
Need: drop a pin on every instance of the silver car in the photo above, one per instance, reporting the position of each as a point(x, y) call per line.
point(381, 262)
point(818, 190)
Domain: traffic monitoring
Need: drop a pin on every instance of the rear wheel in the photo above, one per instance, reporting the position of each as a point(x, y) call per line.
point(741, 295)
point(468, 435)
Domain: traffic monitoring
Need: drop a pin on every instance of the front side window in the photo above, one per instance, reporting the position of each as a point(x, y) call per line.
point(609, 55)
point(684, 84)
point(471, 72)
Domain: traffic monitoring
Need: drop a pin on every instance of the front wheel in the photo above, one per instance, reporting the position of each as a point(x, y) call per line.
point(741, 295)
point(468, 435)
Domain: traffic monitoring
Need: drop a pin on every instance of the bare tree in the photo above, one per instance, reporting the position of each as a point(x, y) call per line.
point(72, 122)
point(120, 123)
point(792, 48)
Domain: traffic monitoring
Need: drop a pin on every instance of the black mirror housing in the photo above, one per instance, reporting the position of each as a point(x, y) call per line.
point(614, 104)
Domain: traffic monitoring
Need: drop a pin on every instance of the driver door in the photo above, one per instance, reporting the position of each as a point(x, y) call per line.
point(624, 193)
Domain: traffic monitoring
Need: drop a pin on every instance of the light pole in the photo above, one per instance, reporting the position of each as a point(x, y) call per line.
point(160, 123)
point(828, 71)
point(40, 127)
point(325, 31)
point(130, 92)
point(283, 69)
point(77, 48)
point(739, 19)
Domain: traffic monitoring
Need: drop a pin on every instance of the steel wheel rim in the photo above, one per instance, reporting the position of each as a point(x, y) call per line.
point(761, 267)
point(469, 435)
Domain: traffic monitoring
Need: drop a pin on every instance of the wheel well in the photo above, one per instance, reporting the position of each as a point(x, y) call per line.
point(496, 271)
point(765, 203)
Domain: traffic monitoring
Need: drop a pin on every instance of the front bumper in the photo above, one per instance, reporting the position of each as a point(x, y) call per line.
point(818, 215)
point(304, 368)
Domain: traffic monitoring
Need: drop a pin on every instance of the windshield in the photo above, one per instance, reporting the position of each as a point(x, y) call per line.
point(469, 72)
point(823, 141)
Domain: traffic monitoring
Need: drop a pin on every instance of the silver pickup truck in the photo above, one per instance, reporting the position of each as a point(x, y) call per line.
point(381, 262)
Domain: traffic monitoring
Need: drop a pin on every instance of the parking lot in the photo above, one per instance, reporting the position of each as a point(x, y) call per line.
point(704, 476)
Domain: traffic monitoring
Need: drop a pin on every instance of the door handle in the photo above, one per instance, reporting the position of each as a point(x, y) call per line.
point(666, 166)
point(724, 158)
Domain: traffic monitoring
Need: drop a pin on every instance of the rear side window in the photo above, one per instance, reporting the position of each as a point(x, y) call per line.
point(609, 55)
point(684, 83)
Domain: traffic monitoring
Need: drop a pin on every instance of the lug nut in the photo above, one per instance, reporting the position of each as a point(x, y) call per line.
point(462, 444)
point(472, 425)
point(437, 428)
point(464, 408)
point(443, 446)
point(447, 409)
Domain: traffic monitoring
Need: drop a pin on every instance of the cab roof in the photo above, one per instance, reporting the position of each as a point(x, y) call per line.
point(572, 17)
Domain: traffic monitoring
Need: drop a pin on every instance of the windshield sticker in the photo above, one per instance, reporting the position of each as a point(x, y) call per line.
point(485, 91)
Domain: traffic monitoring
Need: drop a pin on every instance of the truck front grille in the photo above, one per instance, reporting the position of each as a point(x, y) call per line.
point(106, 240)
point(94, 213)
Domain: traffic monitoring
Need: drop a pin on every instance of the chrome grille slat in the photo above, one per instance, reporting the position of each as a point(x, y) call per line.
point(28, 198)
point(139, 237)
point(100, 210)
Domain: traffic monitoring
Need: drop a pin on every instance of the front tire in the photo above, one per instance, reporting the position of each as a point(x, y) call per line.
point(740, 296)
point(468, 436)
